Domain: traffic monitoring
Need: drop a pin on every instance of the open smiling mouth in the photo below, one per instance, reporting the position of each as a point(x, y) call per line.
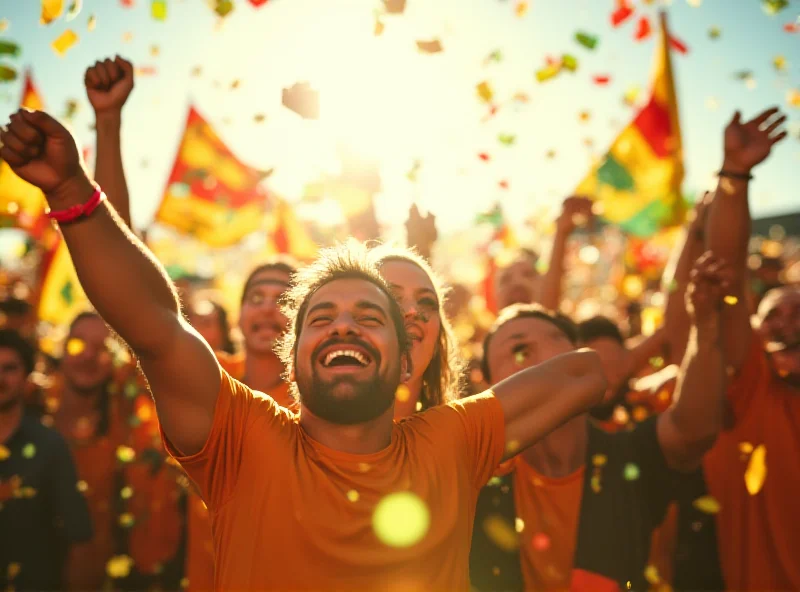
point(345, 358)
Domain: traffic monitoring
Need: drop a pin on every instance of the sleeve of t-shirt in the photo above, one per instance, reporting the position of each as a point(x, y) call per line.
point(481, 430)
point(215, 468)
point(748, 381)
point(69, 506)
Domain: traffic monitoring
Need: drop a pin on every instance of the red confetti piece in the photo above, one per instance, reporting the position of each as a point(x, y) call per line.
point(601, 79)
point(503, 184)
point(145, 71)
point(678, 45)
point(483, 156)
point(493, 110)
point(791, 27)
point(127, 3)
point(621, 14)
point(258, 3)
point(643, 29)
point(551, 61)
point(541, 542)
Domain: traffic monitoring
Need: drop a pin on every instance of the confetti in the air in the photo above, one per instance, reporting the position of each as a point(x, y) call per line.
point(401, 519)
point(731, 300)
point(540, 541)
point(403, 393)
point(714, 33)
point(773, 7)
point(793, 98)
point(506, 139)
point(29, 450)
point(51, 10)
point(4, 452)
point(756, 471)
point(75, 346)
point(643, 29)
point(521, 9)
point(519, 524)
point(622, 13)
point(7, 74)
point(353, 496)
point(119, 566)
point(599, 460)
point(501, 533)
point(74, 9)
point(706, 504)
point(125, 454)
point(92, 23)
point(484, 91)
point(9, 48)
point(631, 472)
point(64, 41)
point(432, 46)
point(588, 40)
point(158, 10)
point(779, 63)
point(601, 79)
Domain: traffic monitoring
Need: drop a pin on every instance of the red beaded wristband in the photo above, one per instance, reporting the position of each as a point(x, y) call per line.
point(78, 211)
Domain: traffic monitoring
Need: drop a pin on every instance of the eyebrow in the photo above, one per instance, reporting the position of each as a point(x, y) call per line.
point(514, 337)
point(278, 283)
point(320, 306)
point(367, 305)
point(417, 291)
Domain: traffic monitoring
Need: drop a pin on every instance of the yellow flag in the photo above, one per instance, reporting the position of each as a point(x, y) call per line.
point(61, 297)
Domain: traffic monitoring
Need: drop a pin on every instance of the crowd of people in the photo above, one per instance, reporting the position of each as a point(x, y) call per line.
point(354, 438)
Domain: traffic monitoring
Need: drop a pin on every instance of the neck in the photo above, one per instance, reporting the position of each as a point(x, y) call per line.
point(562, 451)
point(80, 402)
point(409, 407)
point(10, 418)
point(363, 438)
point(262, 372)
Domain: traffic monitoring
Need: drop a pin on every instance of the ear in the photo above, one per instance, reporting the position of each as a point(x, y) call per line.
point(405, 368)
point(291, 369)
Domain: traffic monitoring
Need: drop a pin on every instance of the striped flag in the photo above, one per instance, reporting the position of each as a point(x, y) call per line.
point(638, 181)
point(61, 297)
point(210, 194)
point(21, 204)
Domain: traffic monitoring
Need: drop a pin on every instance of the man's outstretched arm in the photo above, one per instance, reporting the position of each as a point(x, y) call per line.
point(122, 279)
point(539, 399)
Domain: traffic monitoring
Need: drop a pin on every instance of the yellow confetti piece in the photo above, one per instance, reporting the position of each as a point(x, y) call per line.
point(631, 95)
point(730, 300)
point(512, 446)
point(125, 454)
point(126, 520)
point(793, 98)
point(184, 583)
point(92, 24)
point(29, 450)
point(519, 524)
point(4, 452)
point(119, 566)
point(707, 504)
point(352, 495)
point(779, 63)
point(64, 41)
point(595, 483)
point(519, 358)
point(82, 486)
point(379, 27)
point(155, 51)
point(639, 414)
point(521, 9)
point(51, 10)
point(621, 416)
point(401, 519)
point(501, 533)
point(13, 570)
point(158, 10)
point(145, 413)
point(364, 467)
point(756, 471)
point(599, 460)
point(745, 447)
point(127, 37)
point(484, 91)
point(651, 574)
point(403, 393)
point(547, 73)
point(4, 25)
point(584, 116)
point(27, 491)
point(75, 346)
point(126, 492)
point(419, 406)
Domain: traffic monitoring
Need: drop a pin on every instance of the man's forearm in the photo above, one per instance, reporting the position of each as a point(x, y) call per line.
point(550, 292)
point(109, 171)
point(697, 414)
point(122, 279)
point(728, 227)
point(676, 320)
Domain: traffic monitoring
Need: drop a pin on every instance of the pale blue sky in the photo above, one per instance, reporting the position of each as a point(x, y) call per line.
point(400, 105)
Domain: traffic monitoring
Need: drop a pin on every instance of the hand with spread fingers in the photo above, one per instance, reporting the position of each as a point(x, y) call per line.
point(747, 144)
point(108, 84)
point(41, 151)
point(710, 282)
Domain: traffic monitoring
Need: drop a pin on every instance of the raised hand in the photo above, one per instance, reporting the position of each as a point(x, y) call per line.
point(421, 230)
point(748, 144)
point(108, 84)
point(40, 150)
point(576, 211)
point(710, 282)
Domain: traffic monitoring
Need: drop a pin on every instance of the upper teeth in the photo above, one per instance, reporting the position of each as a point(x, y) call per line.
point(345, 352)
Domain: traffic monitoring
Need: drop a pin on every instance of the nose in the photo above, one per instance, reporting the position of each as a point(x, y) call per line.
point(344, 325)
point(410, 313)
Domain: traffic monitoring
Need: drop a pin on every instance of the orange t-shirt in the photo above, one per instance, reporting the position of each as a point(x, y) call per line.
point(758, 535)
point(291, 514)
point(549, 510)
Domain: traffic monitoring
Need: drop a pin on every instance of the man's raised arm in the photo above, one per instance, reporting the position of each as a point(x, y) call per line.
point(746, 145)
point(539, 399)
point(123, 280)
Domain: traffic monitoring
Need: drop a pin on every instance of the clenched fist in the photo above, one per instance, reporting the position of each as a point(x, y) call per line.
point(41, 150)
point(108, 84)
point(710, 282)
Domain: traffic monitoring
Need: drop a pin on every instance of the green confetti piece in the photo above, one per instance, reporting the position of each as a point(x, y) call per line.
point(587, 40)
point(9, 48)
point(131, 390)
point(631, 472)
point(714, 33)
point(223, 8)
point(7, 74)
point(570, 62)
point(507, 139)
point(773, 7)
point(29, 450)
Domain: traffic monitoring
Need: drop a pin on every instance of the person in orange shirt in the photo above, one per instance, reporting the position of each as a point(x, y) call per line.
point(585, 501)
point(436, 364)
point(210, 319)
point(753, 471)
point(339, 495)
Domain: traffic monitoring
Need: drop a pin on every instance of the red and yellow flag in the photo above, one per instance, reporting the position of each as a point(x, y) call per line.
point(638, 182)
point(21, 204)
point(286, 234)
point(61, 297)
point(210, 194)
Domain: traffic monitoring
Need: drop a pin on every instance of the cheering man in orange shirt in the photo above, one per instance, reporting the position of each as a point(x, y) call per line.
point(339, 496)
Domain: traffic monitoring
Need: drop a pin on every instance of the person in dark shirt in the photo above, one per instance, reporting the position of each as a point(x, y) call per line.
point(583, 501)
point(42, 510)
